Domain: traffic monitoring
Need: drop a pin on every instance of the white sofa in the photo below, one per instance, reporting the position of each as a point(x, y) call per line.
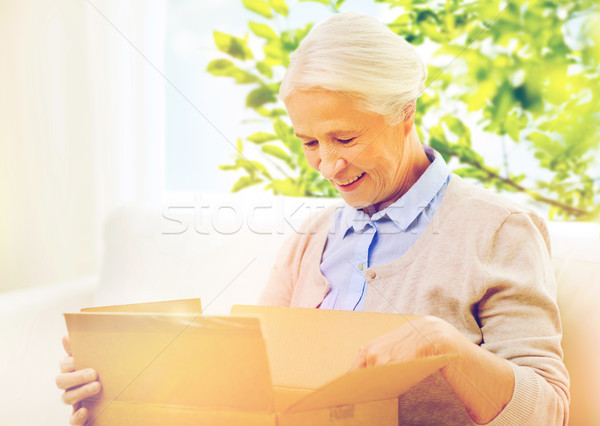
point(223, 256)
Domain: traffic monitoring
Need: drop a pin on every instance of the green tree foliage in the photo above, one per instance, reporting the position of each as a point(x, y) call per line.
point(512, 66)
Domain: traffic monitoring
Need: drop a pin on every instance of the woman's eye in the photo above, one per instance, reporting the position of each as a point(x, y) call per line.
point(345, 140)
point(311, 144)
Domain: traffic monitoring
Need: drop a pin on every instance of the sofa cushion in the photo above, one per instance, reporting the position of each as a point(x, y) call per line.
point(576, 261)
point(222, 254)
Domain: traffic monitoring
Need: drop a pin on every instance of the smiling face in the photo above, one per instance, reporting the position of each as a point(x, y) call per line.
point(369, 162)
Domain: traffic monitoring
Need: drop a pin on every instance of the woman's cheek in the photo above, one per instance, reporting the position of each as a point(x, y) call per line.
point(312, 158)
point(376, 180)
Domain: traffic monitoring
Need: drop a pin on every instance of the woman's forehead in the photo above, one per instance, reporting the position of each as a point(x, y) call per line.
point(323, 103)
point(326, 114)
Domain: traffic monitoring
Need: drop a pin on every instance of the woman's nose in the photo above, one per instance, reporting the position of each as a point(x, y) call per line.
point(331, 167)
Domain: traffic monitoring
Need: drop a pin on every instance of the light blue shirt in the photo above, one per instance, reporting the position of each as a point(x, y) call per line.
point(357, 241)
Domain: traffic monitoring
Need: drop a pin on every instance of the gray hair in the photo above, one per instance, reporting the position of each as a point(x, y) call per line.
point(358, 56)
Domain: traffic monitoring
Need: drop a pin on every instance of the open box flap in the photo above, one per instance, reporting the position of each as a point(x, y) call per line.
point(370, 384)
point(182, 306)
point(310, 347)
point(217, 362)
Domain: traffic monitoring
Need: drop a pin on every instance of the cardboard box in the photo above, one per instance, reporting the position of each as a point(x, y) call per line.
point(259, 366)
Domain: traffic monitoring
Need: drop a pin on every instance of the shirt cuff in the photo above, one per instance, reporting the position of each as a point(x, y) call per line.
point(522, 404)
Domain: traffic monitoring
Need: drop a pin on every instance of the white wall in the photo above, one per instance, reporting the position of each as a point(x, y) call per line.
point(80, 130)
point(45, 175)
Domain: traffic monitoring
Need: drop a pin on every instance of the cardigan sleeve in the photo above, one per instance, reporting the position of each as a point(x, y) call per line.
point(520, 322)
point(300, 250)
point(279, 288)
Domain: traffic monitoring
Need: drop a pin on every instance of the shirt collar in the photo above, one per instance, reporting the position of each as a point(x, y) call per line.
point(407, 208)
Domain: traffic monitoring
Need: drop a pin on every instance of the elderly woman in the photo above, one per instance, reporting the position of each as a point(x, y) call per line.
point(412, 238)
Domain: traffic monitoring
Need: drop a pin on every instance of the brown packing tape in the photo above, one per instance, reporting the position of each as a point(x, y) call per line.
point(183, 359)
point(180, 306)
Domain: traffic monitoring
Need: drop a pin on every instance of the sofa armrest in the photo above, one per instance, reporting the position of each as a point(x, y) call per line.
point(32, 325)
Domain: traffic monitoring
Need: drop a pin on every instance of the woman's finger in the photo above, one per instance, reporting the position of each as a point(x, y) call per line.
point(67, 364)
point(78, 417)
point(77, 378)
point(359, 361)
point(72, 396)
point(67, 345)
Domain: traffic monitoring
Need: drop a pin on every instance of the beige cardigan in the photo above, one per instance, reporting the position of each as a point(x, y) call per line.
point(483, 264)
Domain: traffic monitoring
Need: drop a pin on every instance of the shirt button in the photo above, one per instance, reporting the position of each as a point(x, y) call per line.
point(360, 266)
point(372, 274)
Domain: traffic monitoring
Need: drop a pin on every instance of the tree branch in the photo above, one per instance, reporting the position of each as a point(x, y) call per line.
point(536, 196)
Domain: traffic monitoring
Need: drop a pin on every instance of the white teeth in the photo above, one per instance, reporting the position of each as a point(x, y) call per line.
point(349, 181)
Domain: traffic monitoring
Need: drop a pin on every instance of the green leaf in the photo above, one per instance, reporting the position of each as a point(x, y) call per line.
point(286, 187)
point(260, 96)
point(228, 167)
point(251, 167)
point(271, 113)
point(287, 42)
point(545, 143)
point(471, 172)
point(481, 96)
point(240, 145)
point(513, 125)
point(283, 132)
point(232, 45)
point(442, 147)
point(502, 103)
point(275, 54)
point(226, 68)
point(245, 182)
point(295, 146)
point(401, 23)
point(277, 152)
point(264, 69)
point(219, 66)
point(258, 6)
point(415, 39)
point(262, 30)
point(279, 6)
point(262, 137)
point(457, 127)
point(301, 33)
point(325, 2)
point(468, 155)
point(529, 97)
point(247, 165)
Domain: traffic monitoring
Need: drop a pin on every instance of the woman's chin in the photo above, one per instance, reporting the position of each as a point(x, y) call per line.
point(354, 201)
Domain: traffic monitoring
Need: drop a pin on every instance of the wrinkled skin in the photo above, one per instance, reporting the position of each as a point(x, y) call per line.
point(341, 141)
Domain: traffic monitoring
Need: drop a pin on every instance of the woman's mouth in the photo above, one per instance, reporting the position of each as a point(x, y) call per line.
point(350, 183)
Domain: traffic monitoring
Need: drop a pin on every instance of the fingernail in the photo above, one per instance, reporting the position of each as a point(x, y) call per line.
point(93, 387)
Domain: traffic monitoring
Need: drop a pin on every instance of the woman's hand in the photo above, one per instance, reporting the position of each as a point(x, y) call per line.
point(420, 338)
point(483, 381)
point(77, 384)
